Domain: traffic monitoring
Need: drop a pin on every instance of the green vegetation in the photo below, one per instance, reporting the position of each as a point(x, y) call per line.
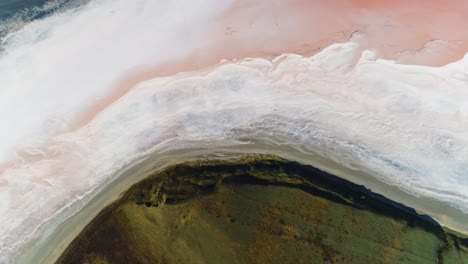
point(259, 209)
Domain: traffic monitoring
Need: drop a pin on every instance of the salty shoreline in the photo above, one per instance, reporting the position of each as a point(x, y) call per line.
point(69, 122)
point(58, 237)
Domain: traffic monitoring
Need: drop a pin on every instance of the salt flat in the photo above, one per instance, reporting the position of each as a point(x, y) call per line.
point(87, 91)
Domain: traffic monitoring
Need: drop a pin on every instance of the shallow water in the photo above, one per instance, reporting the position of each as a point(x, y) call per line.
point(9, 8)
point(15, 14)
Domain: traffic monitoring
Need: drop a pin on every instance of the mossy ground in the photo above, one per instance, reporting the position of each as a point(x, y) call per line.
point(259, 209)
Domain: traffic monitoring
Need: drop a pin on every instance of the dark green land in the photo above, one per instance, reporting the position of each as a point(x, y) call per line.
point(260, 209)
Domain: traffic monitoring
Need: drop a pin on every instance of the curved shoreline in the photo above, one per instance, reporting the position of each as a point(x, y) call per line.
point(183, 181)
point(54, 238)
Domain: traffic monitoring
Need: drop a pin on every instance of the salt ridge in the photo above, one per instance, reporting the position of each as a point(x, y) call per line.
point(401, 123)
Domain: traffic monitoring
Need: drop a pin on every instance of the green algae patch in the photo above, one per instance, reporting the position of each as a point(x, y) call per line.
point(259, 209)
